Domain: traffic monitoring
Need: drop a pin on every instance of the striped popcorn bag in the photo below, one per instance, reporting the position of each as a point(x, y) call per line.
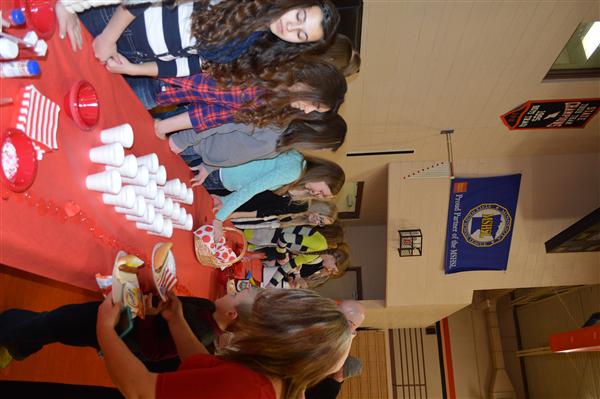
point(37, 116)
point(167, 281)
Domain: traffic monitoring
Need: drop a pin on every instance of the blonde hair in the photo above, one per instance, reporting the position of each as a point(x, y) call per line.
point(294, 335)
point(342, 262)
point(333, 233)
point(316, 170)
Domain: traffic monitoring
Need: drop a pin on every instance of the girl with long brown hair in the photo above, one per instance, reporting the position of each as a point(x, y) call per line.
point(317, 213)
point(299, 90)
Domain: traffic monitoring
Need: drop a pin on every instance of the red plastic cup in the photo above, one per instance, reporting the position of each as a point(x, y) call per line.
point(81, 105)
point(40, 16)
point(26, 170)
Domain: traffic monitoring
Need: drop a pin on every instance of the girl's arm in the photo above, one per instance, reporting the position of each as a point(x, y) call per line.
point(105, 44)
point(185, 341)
point(172, 124)
point(126, 371)
point(240, 215)
point(120, 64)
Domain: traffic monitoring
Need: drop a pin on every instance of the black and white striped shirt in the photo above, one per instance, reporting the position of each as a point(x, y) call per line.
point(163, 33)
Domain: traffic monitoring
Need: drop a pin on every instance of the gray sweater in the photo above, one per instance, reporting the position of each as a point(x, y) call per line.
point(230, 144)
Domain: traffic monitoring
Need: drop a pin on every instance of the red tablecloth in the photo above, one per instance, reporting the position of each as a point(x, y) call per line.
point(37, 235)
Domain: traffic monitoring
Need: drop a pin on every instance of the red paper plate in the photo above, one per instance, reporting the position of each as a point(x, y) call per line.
point(18, 160)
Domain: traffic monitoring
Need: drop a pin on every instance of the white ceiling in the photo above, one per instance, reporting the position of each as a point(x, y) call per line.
point(430, 65)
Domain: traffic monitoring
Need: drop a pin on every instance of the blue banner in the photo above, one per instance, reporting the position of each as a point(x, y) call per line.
point(481, 219)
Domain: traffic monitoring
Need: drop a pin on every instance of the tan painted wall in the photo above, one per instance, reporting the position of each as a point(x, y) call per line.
point(556, 191)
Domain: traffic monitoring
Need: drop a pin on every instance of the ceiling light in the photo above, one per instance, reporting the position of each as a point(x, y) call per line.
point(591, 39)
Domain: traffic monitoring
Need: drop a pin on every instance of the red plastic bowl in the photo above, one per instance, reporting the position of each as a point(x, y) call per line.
point(40, 15)
point(81, 105)
point(16, 143)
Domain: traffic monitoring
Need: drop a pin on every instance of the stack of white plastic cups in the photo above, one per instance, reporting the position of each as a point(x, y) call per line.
point(138, 186)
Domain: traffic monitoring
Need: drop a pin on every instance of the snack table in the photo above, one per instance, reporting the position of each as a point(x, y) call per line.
point(57, 228)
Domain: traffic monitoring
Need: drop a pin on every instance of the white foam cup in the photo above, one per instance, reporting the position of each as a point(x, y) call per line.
point(167, 209)
point(122, 134)
point(141, 178)
point(156, 226)
point(148, 191)
point(109, 154)
point(160, 177)
point(151, 162)
point(172, 187)
point(107, 182)
point(189, 198)
point(129, 168)
point(167, 230)
point(176, 211)
point(182, 217)
point(188, 225)
point(148, 216)
point(159, 200)
point(138, 209)
point(125, 198)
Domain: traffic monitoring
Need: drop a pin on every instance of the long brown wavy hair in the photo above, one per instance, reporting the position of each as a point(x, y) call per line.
point(316, 170)
point(310, 80)
point(294, 335)
point(234, 19)
point(325, 134)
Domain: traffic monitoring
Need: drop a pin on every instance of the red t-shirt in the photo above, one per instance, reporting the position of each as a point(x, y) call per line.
point(210, 377)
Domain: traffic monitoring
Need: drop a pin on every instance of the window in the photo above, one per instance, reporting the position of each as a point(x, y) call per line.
point(580, 58)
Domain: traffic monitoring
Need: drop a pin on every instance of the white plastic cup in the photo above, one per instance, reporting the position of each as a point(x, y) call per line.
point(148, 216)
point(159, 200)
point(122, 134)
point(125, 198)
point(167, 208)
point(189, 198)
point(167, 230)
point(141, 178)
point(156, 226)
point(172, 187)
point(138, 209)
point(148, 191)
point(188, 225)
point(107, 182)
point(109, 154)
point(151, 162)
point(160, 177)
point(129, 168)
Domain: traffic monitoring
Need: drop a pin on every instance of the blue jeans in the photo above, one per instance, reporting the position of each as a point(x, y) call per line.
point(95, 20)
point(213, 181)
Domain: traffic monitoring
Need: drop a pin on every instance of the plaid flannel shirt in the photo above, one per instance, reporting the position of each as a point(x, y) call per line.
point(210, 104)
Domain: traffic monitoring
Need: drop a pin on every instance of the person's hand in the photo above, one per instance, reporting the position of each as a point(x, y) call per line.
point(284, 260)
point(200, 177)
point(298, 282)
point(104, 48)
point(150, 310)
point(218, 230)
point(68, 24)
point(108, 314)
point(171, 309)
point(120, 64)
point(217, 203)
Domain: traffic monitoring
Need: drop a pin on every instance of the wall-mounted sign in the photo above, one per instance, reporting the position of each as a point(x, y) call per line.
point(552, 114)
point(481, 219)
